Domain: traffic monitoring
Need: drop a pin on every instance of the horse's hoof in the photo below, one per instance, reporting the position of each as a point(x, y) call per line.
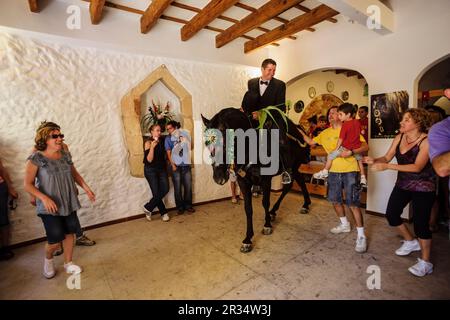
point(272, 217)
point(267, 231)
point(246, 248)
point(304, 210)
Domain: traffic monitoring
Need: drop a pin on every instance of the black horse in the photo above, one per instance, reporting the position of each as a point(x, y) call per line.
point(293, 152)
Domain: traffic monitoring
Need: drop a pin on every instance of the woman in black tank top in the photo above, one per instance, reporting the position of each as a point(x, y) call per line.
point(155, 172)
point(415, 184)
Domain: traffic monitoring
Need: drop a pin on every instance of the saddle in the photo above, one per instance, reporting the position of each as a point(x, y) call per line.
point(265, 114)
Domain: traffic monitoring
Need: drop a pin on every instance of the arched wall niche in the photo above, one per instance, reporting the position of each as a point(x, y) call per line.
point(132, 114)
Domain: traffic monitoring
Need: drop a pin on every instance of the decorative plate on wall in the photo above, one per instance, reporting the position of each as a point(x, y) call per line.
point(312, 92)
point(330, 86)
point(299, 105)
point(344, 95)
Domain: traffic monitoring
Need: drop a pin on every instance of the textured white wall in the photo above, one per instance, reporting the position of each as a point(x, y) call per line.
point(80, 89)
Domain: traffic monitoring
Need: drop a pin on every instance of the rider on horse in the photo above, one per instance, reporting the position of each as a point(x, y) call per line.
point(272, 117)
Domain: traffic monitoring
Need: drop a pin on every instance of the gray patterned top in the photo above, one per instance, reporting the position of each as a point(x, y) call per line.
point(54, 179)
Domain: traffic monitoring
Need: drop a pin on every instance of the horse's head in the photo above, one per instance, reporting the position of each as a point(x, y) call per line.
point(215, 142)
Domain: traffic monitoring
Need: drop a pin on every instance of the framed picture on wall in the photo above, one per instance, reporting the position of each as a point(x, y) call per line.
point(386, 113)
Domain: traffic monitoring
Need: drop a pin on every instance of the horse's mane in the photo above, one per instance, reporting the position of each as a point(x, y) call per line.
point(235, 119)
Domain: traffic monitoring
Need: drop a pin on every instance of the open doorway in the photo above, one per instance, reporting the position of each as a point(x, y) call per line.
point(432, 84)
point(312, 94)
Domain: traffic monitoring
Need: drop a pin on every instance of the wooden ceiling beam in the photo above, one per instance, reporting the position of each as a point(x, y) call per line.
point(210, 12)
point(165, 17)
point(268, 11)
point(306, 10)
point(34, 5)
point(279, 19)
point(221, 17)
point(154, 11)
point(95, 10)
point(311, 18)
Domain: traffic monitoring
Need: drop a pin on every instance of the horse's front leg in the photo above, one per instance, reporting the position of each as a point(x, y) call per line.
point(299, 178)
point(266, 184)
point(247, 192)
point(276, 206)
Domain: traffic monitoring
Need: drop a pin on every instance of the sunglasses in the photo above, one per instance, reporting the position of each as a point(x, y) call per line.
point(56, 136)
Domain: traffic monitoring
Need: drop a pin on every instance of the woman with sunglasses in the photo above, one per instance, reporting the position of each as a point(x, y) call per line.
point(6, 190)
point(56, 195)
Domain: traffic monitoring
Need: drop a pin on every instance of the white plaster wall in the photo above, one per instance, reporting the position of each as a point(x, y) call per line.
point(298, 90)
point(80, 89)
point(389, 63)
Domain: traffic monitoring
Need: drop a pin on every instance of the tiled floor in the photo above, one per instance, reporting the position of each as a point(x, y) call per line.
point(197, 257)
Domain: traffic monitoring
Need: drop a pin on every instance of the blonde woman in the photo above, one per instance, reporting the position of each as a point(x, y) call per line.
point(57, 201)
point(416, 183)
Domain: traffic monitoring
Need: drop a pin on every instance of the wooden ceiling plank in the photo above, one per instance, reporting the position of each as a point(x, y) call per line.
point(313, 17)
point(95, 10)
point(266, 12)
point(154, 11)
point(306, 10)
point(279, 19)
point(34, 6)
point(221, 17)
point(165, 17)
point(210, 12)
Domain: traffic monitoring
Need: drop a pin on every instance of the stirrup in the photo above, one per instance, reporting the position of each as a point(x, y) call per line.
point(286, 178)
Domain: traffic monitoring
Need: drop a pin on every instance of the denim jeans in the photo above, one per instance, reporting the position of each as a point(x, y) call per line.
point(182, 177)
point(347, 181)
point(159, 185)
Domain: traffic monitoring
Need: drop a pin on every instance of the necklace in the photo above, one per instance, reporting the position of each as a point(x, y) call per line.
point(413, 140)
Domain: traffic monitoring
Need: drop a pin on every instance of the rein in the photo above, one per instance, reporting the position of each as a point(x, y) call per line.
point(267, 112)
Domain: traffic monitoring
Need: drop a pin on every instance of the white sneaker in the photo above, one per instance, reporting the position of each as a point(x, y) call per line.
point(234, 200)
point(361, 245)
point(322, 174)
point(148, 214)
point(286, 178)
point(363, 181)
point(421, 268)
point(341, 228)
point(72, 268)
point(49, 269)
point(165, 217)
point(408, 247)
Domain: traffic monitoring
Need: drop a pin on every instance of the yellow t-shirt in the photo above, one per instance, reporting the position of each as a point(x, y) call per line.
point(328, 140)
